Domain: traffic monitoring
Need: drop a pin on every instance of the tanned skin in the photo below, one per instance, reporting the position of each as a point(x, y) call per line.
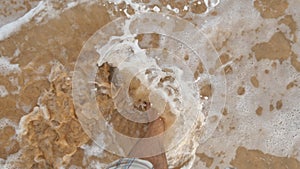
point(155, 128)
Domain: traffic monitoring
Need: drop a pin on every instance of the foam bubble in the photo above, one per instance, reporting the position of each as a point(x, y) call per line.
point(3, 91)
point(11, 160)
point(7, 122)
point(17, 52)
point(93, 149)
point(156, 9)
point(6, 67)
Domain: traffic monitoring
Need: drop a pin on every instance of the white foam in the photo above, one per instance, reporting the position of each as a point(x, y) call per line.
point(156, 9)
point(11, 10)
point(22, 124)
point(6, 67)
point(93, 150)
point(3, 91)
point(76, 2)
point(96, 165)
point(236, 27)
point(138, 7)
point(72, 4)
point(11, 160)
point(273, 132)
point(10, 28)
point(4, 122)
point(176, 10)
point(17, 52)
point(2, 162)
point(185, 8)
point(14, 81)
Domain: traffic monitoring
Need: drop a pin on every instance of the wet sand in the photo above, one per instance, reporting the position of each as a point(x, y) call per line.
point(259, 54)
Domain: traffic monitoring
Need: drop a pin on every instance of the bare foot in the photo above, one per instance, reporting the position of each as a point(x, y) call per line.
point(156, 127)
point(145, 146)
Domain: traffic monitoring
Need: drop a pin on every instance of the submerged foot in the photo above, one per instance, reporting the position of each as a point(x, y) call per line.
point(146, 146)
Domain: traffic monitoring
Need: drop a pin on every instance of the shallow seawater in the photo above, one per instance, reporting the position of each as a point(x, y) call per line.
point(224, 75)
